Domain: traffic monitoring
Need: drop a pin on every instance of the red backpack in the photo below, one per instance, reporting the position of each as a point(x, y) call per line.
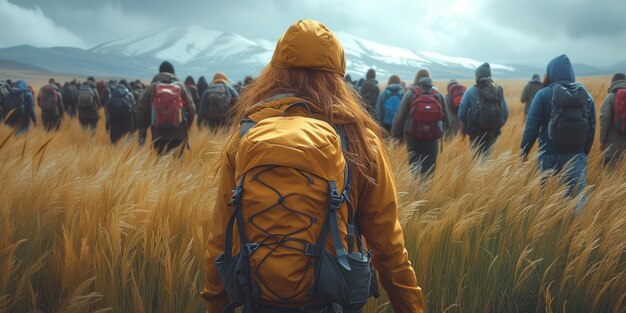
point(456, 92)
point(49, 99)
point(427, 112)
point(167, 106)
point(619, 118)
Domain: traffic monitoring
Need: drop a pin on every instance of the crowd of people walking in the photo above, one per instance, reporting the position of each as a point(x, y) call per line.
point(304, 131)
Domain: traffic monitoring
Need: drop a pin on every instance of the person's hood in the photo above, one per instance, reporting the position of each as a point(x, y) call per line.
point(560, 70)
point(618, 84)
point(311, 45)
point(394, 87)
point(22, 85)
point(164, 77)
point(277, 105)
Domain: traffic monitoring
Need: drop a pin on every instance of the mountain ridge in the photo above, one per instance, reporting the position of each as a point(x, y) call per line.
point(198, 51)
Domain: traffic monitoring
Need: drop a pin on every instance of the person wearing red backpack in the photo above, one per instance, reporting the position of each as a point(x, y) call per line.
point(50, 101)
point(421, 121)
point(309, 171)
point(613, 121)
point(453, 101)
point(483, 111)
point(168, 109)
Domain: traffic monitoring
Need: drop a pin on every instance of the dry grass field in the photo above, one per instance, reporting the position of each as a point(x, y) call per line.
point(90, 227)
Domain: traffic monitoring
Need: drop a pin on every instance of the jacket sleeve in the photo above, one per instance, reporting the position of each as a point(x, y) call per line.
point(525, 94)
point(464, 107)
point(143, 110)
point(213, 290)
point(397, 128)
point(446, 112)
point(380, 110)
point(378, 216)
point(533, 122)
point(31, 107)
point(190, 107)
point(61, 105)
point(606, 117)
point(506, 105)
point(592, 125)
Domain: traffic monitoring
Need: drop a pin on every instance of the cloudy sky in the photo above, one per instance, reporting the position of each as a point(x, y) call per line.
point(512, 31)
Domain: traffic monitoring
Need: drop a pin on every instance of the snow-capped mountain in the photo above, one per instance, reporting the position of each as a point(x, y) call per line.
point(196, 48)
point(199, 51)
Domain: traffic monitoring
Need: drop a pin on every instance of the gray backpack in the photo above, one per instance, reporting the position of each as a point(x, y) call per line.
point(216, 102)
point(85, 97)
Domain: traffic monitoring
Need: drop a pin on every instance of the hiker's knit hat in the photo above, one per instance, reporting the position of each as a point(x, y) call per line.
point(166, 67)
point(309, 44)
point(483, 71)
point(618, 76)
point(219, 78)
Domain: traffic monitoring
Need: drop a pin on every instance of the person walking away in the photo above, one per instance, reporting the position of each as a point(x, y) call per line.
point(216, 102)
point(369, 90)
point(88, 102)
point(168, 109)
point(70, 98)
point(202, 85)
point(421, 122)
point(120, 111)
point(193, 90)
point(305, 138)
point(483, 111)
point(50, 101)
point(613, 121)
point(389, 102)
point(563, 116)
point(529, 92)
point(137, 90)
point(453, 101)
point(19, 107)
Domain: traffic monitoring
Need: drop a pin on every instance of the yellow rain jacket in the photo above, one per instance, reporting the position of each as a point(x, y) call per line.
point(375, 202)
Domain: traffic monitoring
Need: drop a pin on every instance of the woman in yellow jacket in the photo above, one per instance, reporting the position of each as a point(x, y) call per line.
point(308, 66)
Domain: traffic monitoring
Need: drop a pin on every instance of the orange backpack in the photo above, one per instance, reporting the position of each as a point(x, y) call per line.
point(295, 220)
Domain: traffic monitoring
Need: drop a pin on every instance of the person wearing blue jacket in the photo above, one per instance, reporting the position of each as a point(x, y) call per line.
point(551, 157)
point(29, 108)
point(393, 89)
point(481, 139)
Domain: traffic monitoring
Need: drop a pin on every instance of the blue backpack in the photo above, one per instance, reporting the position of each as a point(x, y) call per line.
point(120, 105)
point(391, 105)
point(15, 106)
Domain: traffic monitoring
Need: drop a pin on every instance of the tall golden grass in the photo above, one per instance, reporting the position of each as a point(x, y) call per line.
point(86, 226)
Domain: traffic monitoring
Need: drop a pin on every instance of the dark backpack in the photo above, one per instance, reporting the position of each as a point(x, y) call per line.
point(216, 103)
point(85, 97)
point(391, 104)
point(619, 116)
point(70, 93)
point(120, 104)
point(456, 92)
point(569, 117)
point(49, 99)
point(167, 106)
point(490, 109)
point(15, 106)
point(426, 114)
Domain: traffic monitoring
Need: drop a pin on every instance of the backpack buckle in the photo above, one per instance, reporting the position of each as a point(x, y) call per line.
point(334, 197)
point(313, 249)
point(249, 248)
point(236, 197)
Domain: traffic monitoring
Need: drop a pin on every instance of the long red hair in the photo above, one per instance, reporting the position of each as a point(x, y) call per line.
point(328, 91)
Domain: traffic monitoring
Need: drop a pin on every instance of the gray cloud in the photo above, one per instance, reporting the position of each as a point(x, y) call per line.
point(514, 31)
